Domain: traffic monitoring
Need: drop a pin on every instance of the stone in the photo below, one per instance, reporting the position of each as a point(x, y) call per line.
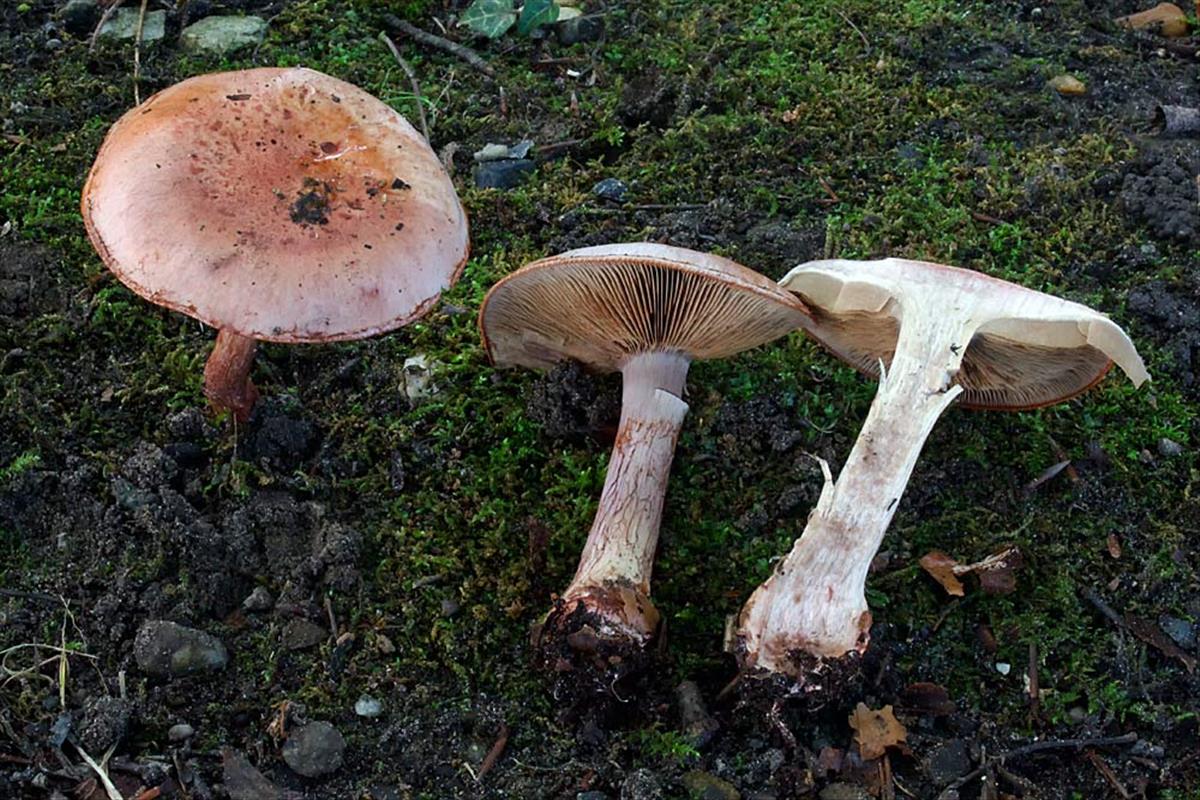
point(300, 634)
point(368, 707)
point(79, 17)
point(314, 750)
point(177, 734)
point(167, 650)
point(450, 607)
point(502, 174)
point(641, 784)
point(122, 26)
point(611, 189)
point(1169, 447)
point(705, 786)
point(258, 601)
point(1067, 85)
point(579, 29)
point(948, 761)
point(220, 35)
point(697, 724)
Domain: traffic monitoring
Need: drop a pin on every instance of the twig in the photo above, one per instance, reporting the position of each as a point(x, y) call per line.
point(104, 18)
point(776, 719)
point(431, 40)
point(412, 79)
point(1035, 694)
point(111, 790)
point(979, 216)
point(604, 212)
point(137, 53)
point(333, 625)
point(833, 196)
point(1104, 608)
point(1104, 769)
point(494, 754)
point(1038, 747)
point(39, 596)
point(857, 30)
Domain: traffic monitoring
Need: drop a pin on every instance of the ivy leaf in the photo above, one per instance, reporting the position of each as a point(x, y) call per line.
point(490, 18)
point(536, 13)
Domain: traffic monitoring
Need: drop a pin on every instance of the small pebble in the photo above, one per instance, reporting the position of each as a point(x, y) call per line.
point(314, 750)
point(1067, 85)
point(611, 189)
point(368, 707)
point(180, 733)
point(1003, 668)
point(1169, 447)
point(259, 600)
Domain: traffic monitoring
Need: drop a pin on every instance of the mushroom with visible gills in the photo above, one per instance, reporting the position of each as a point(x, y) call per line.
point(647, 311)
point(932, 334)
point(277, 205)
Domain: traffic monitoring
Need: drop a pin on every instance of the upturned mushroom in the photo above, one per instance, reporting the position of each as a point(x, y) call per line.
point(932, 335)
point(278, 205)
point(646, 311)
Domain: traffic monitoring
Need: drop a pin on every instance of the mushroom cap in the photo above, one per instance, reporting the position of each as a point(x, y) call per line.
point(1025, 348)
point(599, 305)
point(281, 204)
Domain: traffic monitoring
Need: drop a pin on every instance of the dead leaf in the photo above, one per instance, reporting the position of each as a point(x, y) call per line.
point(941, 567)
point(996, 573)
point(876, 731)
point(1149, 632)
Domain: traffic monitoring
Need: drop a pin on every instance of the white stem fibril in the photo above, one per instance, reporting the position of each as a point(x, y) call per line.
point(815, 601)
point(619, 553)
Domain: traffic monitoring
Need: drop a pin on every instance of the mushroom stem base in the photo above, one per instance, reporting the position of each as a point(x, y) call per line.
point(814, 604)
point(227, 383)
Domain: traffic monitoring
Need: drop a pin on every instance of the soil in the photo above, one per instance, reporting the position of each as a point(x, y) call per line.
point(350, 541)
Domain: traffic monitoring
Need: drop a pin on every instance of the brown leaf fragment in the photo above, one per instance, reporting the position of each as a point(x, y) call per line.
point(941, 568)
point(1114, 546)
point(1149, 632)
point(998, 574)
point(876, 731)
point(928, 698)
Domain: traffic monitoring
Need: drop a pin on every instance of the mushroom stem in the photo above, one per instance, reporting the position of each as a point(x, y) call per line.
point(814, 603)
point(613, 578)
point(227, 383)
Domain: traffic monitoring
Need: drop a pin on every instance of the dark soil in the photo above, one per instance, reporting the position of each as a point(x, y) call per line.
point(351, 543)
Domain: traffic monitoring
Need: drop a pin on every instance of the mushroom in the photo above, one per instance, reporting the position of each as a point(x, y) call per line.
point(932, 334)
point(279, 205)
point(645, 310)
